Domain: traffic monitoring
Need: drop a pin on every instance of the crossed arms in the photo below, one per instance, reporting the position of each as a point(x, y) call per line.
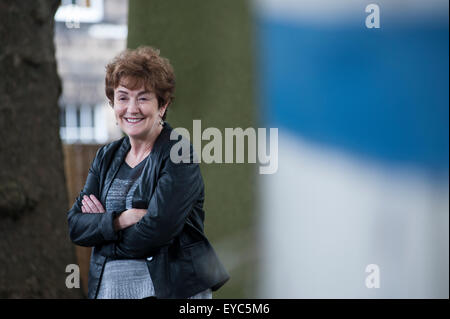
point(136, 233)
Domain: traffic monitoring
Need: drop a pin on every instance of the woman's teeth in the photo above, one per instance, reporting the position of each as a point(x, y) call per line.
point(133, 120)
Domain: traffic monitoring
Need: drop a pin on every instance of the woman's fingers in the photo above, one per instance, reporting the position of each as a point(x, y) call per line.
point(97, 204)
point(85, 207)
point(139, 213)
point(89, 205)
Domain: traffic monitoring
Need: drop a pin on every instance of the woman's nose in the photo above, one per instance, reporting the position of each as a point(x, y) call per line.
point(132, 106)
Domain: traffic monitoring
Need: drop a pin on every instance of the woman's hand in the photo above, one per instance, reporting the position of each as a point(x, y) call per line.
point(129, 218)
point(91, 205)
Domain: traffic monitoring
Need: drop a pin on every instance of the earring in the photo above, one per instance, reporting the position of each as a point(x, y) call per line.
point(161, 122)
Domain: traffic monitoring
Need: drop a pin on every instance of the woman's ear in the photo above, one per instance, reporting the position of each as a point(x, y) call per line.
point(163, 108)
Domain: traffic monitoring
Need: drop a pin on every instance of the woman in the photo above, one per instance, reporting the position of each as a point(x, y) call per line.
point(142, 212)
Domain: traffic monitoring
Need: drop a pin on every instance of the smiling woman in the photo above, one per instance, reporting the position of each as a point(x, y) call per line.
point(137, 205)
point(137, 112)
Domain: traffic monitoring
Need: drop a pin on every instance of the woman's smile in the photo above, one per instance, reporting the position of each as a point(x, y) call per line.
point(133, 120)
point(137, 111)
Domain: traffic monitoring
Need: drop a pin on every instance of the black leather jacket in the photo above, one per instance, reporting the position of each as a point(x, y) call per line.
point(170, 236)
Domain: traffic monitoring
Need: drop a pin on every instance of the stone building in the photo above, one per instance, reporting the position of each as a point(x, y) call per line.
point(88, 34)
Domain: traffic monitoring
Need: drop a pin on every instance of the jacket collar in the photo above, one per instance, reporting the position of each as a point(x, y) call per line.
point(124, 148)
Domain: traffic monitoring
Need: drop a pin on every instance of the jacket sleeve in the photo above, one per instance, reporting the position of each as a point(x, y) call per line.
point(91, 229)
point(177, 190)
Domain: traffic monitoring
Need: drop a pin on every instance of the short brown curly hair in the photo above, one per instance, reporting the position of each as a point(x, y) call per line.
point(141, 67)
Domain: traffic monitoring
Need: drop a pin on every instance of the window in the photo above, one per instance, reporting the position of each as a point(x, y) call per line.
point(83, 124)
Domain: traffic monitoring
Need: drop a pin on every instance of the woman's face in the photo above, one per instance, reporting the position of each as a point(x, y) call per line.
point(137, 111)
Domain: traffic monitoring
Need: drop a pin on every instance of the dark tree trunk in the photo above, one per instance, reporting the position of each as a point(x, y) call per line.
point(34, 243)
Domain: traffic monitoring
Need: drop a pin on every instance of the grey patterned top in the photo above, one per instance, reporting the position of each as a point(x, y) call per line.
point(128, 278)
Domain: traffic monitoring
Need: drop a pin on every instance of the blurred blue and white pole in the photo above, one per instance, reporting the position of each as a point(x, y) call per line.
point(359, 205)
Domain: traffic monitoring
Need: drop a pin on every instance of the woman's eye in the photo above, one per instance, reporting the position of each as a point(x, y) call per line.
point(143, 99)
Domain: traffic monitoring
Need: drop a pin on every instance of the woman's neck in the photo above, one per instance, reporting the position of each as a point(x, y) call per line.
point(140, 148)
